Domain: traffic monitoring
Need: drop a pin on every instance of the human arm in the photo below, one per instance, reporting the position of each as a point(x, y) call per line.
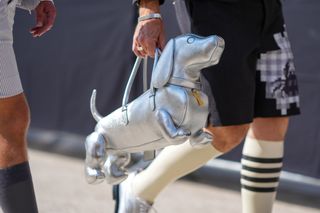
point(149, 34)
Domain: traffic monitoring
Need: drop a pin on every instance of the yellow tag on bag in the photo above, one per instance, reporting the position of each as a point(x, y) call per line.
point(196, 94)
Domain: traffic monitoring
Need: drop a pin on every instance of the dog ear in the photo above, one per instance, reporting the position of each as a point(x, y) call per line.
point(164, 67)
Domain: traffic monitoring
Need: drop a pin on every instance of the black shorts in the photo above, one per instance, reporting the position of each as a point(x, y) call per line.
point(255, 76)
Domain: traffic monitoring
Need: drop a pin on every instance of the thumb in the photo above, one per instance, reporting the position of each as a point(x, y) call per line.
point(40, 18)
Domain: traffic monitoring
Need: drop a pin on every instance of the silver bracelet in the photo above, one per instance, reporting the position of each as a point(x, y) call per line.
point(47, 0)
point(150, 16)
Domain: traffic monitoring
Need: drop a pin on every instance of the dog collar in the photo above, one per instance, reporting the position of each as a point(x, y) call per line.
point(184, 83)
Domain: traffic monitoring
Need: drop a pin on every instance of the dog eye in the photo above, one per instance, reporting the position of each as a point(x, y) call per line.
point(190, 40)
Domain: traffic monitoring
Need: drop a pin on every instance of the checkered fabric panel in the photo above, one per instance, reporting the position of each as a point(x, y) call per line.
point(278, 72)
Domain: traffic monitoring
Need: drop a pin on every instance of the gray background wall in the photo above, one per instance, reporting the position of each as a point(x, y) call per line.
point(90, 47)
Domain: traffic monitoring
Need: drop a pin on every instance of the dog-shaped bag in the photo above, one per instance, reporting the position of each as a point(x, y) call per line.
point(172, 111)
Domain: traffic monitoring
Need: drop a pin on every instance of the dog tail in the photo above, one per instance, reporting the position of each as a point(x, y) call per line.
point(93, 107)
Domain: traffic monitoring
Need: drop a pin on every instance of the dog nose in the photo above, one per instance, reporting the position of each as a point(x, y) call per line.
point(214, 41)
point(211, 48)
point(219, 41)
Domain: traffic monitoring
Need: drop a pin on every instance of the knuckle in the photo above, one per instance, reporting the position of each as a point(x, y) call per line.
point(141, 39)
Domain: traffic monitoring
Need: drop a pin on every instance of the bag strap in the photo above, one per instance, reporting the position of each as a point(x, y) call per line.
point(156, 59)
point(145, 74)
point(152, 88)
point(151, 154)
point(133, 74)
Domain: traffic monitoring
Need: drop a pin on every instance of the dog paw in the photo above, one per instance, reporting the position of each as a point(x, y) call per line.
point(114, 174)
point(200, 139)
point(116, 180)
point(94, 176)
point(182, 133)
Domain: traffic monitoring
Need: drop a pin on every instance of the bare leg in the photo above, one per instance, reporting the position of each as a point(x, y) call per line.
point(14, 122)
point(16, 188)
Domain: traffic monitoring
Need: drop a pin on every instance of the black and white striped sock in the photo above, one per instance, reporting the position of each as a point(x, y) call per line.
point(261, 167)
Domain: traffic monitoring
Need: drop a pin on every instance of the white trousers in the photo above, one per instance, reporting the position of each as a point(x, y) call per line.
point(10, 83)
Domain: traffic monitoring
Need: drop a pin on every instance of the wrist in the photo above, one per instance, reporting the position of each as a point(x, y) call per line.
point(147, 7)
point(46, 0)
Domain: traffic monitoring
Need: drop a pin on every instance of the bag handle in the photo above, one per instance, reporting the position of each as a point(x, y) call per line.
point(145, 74)
point(130, 82)
point(133, 74)
point(156, 59)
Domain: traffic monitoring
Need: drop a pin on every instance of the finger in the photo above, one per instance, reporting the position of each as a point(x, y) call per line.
point(151, 47)
point(48, 20)
point(38, 26)
point(34, 30)
point(148, 45)
point(46, 27)
point(45, 16)
point(136, 50)
point(139, 53)
point(40, 19)
point(51, 17)
point(38, 31)
point(141, 47)
point(142, 51)
point(135, 44)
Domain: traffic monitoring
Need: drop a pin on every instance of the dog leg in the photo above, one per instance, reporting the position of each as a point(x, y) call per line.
point(168, 128)
point(200, 139)
point(95, 158)
point(114, 167)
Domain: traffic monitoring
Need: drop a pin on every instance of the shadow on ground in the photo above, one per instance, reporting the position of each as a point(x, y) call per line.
point(290, 192)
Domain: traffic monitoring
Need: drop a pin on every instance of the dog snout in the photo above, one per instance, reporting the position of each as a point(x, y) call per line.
point(214, 48)
point(216, 41)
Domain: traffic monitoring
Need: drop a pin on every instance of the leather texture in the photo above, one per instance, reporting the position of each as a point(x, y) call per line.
point(169, 113)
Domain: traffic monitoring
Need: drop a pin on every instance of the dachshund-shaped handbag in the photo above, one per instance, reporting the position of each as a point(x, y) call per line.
point(171, 112)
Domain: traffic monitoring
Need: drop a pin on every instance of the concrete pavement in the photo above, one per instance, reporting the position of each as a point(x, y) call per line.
point(61, 188)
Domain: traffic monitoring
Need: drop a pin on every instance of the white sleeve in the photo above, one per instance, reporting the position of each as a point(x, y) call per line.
point(28, 4)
